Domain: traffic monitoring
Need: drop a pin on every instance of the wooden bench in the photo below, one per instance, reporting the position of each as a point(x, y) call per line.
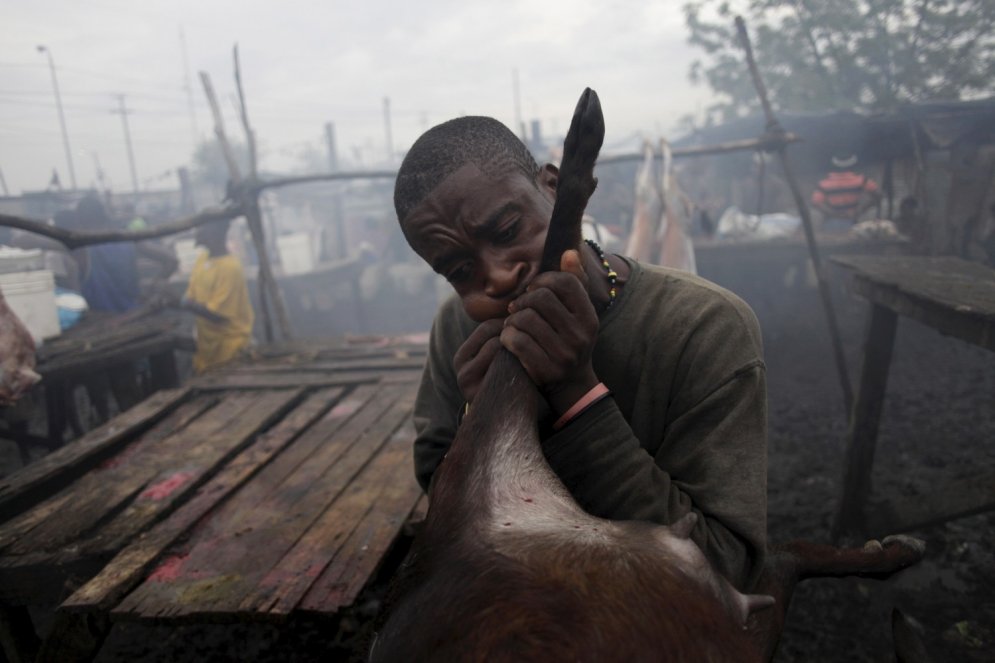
point(953, 296)
point(239, 497)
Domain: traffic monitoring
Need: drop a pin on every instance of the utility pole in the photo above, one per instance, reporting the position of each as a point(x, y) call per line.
point(123, 112)
point(62, 117)
point(188, 88)
point(333, 154)
point(338, 218)
point(386, 121)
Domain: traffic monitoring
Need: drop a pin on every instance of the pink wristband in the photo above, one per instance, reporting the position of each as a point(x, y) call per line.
point(596, 393)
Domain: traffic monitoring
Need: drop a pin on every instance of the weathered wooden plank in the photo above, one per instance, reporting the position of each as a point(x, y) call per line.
point(336, 365)
point(42, 478)
point(361, 555)
point(80, 538)
point(129, 567)
point(389, 472)
point(18, 527)
point(252, 497)
point(958, 500)
point(959, 321)
point(281, 380)
point(228, 556)
point(864, 421)
point(95, 497)
point(954, 296)
point(184, 473)
point(74, 366)
point(311, 450)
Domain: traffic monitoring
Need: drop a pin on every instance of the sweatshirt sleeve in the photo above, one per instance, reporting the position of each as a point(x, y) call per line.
point(439, 400)
point(714, 463)
point(697, 440)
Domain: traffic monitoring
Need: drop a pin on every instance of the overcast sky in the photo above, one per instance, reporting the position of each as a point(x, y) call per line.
point(307, 63)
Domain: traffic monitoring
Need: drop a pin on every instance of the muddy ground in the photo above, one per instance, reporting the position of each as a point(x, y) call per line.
point(938, 425)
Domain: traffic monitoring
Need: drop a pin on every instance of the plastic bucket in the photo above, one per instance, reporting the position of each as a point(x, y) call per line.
point(31, 296)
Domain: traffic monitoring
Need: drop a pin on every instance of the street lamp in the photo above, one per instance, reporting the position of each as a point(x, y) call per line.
point(62, 117)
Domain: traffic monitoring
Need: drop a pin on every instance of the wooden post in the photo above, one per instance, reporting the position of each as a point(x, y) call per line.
point(863, 431)
point(250, 208)
point(774, 127)
point(254, 216)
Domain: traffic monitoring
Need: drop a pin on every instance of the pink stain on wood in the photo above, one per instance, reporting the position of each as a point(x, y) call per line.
point(169, 570)
point(119, 458)
point(345, 408)
point(167, 486)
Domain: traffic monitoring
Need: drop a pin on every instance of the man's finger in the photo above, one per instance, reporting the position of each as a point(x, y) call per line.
point(570, 262)
point(477, 339)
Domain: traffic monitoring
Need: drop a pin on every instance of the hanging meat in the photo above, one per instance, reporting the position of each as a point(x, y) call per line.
point(17, 356)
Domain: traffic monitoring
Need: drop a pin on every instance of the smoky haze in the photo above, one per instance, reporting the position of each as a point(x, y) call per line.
point(305, 64)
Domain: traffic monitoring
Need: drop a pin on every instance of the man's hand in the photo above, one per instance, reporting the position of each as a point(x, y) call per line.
point(552, 330)
point(475, 356)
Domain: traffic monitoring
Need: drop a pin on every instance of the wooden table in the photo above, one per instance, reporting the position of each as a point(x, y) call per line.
point(104, 347)
point(274, 487)
point(951, 295)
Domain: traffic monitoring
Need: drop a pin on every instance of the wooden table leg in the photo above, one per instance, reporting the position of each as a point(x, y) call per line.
point(164, 373)
point(864, 420)
point(17, 634)
point(58, 404)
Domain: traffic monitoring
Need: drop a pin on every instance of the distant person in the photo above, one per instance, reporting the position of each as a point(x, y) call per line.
point(111, 279)
point(217, 284)
point(843, 195)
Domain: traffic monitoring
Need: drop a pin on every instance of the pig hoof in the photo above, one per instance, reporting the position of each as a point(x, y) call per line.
point(873, 546)
point(917, 546)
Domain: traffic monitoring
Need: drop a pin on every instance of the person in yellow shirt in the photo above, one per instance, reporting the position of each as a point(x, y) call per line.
point(217, 284)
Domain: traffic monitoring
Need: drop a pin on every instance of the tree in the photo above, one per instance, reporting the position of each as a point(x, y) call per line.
point(845, 54)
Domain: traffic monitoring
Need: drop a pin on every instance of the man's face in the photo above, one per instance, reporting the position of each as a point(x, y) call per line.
point(484, 234)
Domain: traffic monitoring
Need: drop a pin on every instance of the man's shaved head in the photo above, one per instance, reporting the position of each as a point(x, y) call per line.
point(443, 149)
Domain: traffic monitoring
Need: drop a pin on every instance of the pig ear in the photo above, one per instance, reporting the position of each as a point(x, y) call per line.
point(750, 603)
point(683, 526)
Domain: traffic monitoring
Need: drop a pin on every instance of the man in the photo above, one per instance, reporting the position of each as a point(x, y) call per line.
point(684, 427)
point(219, 294)
point(843, 195)
point(111, 280)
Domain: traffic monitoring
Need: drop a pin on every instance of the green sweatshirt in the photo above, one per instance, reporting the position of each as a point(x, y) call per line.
point(685, 428)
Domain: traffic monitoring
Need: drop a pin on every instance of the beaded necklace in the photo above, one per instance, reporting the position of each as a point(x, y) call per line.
point(612, 274)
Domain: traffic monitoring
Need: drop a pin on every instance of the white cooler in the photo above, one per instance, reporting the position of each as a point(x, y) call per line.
point(31, 296)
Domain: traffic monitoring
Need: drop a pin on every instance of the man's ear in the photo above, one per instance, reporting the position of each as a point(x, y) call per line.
point(547, 179)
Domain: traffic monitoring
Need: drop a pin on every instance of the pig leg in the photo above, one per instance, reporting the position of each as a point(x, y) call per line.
point(789, 563)
point(576, 182)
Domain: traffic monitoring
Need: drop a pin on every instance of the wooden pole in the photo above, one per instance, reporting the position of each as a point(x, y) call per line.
point(73, 240)
point(253, 214)
point(268, 293)
point(327, 177)
point(768, 142)
point(774, 127)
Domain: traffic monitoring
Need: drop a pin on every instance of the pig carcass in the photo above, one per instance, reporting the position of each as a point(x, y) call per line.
point(661, 225)
point(17, 356)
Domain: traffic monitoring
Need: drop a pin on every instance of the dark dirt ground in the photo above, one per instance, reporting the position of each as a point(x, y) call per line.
point(938, 425)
